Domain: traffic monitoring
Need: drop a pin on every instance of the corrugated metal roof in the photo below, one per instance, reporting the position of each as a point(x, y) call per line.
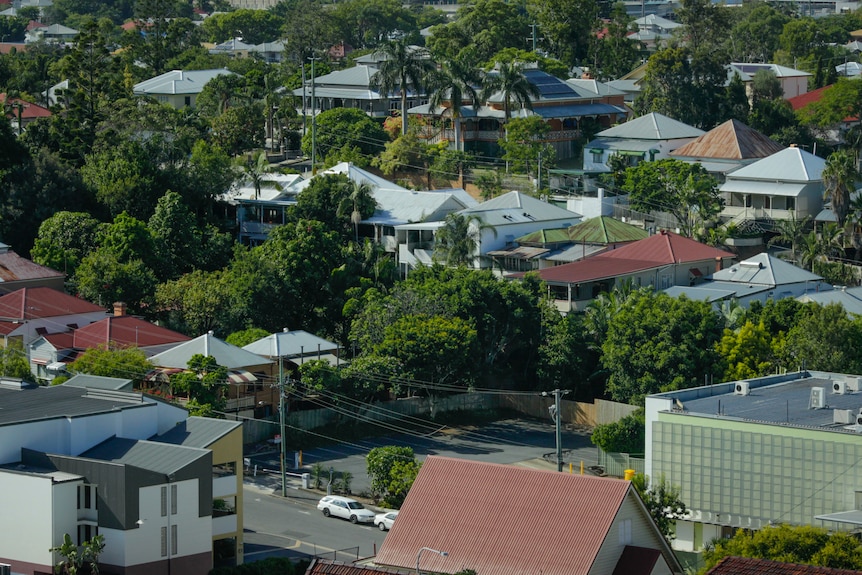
point(730, 140)
point(99, 382)
point(788, 165)
point(652, 126)
point(42, 302)
point(178, 82)
point(546, 236)
point(125, 330)
point(161, 458)
point(518, 526)
point(396, 207)
point(516, 207)
point(575, 253)
point(766, 270)
point(606, 230)
point(762, 188)
point(850, 298)
point(225, 354)
point(748, 566)
point(599, 88)
point(200, 432)
point(290, 344)
point(39, 403)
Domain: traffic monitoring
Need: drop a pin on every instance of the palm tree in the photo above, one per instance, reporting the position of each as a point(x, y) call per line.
point(256, 170)
point(454, 83)
point(403, 68)
point(511, 83)
point(457, 241)
point(358, 201)
point(839, 180)
point(791, 232)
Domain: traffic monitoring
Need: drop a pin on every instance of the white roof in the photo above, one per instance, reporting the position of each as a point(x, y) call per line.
point(290, 344)
point(178, 82)
point(354, 174)
point(232, 45)
point(652, 126)
point(600, 88)
point(656, 21)
point(225, 354)
point(788, 165)
point(747, 70)
point(275, 186)
point(517, 207)
point(765, 269)
point(58, 30)
point(395, 207)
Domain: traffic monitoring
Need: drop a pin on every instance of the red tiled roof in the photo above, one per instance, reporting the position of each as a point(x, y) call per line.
point(125, 330)
point(658, 250)
point(748, 566)
point(636, 561)
point(34, 24)
point(29, 110)
point(502, 519)
point(41, 302)
point(7, 47)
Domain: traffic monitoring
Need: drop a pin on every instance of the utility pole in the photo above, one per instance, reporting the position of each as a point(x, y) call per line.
point(533, 36)
point(555, 413)
point(304, 111)
point(281, 417)
point(313, 120)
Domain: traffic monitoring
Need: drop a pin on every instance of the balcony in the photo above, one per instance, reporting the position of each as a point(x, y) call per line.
point(224, 524)
point(224, 486)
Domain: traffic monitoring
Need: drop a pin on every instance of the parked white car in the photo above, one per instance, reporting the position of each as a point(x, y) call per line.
point(346, 508)
point(385, 520)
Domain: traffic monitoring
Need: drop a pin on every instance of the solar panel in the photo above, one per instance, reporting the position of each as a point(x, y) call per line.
point(549, 86)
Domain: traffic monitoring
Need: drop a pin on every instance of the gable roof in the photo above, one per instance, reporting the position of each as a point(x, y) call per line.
point(158, 457)
point(730, 140)
point(802, 100)
point(849, 298)
point(178, 82)
point(748, 566)
point(200, 432)
point(290, 344)
point(665, 248)
point(606, 230)
point(766, 270)
point(225, 354)
point(657, 21)
point(125, 330)
point(566, 542)
point(788, 165)
point(29, 110)
point(600, 88)
point(42, 302)
point(517, 207)
point(652, 126)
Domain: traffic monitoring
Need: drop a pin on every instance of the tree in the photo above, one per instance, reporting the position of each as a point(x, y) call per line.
point(200, 301)
point(663, 502)
point(823, 338)
point(205, 382)
point(509, 83)
point(524, 146)
point(103, 278)
point(755, 35)
point(359, 197)
point(65, 239)
point(458, 240)
point(246, 336)
point(239, 128)
point(381, 465)
point(616, 54)
point(125, 363)
point(687, 191)
point(456, 81)
point(332, 200)
point(842, 100)
point(659, 343)
point(124, 178)
point(175, 237)
point(791, 232)
point(628, 435)
point(404, 68)
point(74, 557)
point(747, 352)
point(13, 361)
point(339, 127)
point(839, 180)
point(803, 544)
point(567, 26)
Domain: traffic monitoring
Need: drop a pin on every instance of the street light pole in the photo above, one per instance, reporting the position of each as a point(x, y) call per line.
point(419, 555)
point(281, 416)
point(555, 413)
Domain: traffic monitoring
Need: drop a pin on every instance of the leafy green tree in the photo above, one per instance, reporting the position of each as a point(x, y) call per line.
point(175, 236)
point(404, 68)
point(705, 26)
point(401, 479)
point(663, 502)
point(407, 153)
point(801, 544)
point(103, 278)
point(123, 178)
point(825, 339)
point(381, 465)
point(566, 25)
point(524, 145)
point(332, 200)
point(200, 301)
point(370, 377)
point(239, 128)
point(659, 343)
point(205, 382)
point(512, 55)
point(486, 26)
point(313, 29)
point(566, 358)
point(339, 127)
point(687, 191)
point(790, 231)
point(253, 26)
point(65, 239)
point(755, 35)
point(13, 361)
point(842, 100)
point(75, 557)
point(747, 352)
point(457, 242)
point(616, 53)
point(368, 23)
point(125, 363)
point(246, 336)
point(628, 435)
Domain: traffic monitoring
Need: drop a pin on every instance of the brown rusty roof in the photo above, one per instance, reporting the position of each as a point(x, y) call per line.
point(731, 140)
point(503, 519)
point(326, 567)
point(14, 268)
point(747, 566)
point(125, 330)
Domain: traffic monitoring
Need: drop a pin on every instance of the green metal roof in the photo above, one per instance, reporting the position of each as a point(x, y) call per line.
point(550, 236)
point(605, 230)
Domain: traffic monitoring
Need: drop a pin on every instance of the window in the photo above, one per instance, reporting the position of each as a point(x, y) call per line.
point(188, 100)
point(86, 533)
point(86, 497)
point(164, 501)
point(790, 204)
point(625, 531)
point(173, 539)
point(173, 499)
point(164, 541)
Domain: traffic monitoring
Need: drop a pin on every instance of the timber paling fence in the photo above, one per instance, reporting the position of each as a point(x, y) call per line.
point(575, 413)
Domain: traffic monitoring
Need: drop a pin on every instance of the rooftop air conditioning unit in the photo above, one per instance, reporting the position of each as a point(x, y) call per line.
point(839, 387)
point(818, 398)
point(843, 416)
point(853, 384)
point(741, 388)
point(859, 417)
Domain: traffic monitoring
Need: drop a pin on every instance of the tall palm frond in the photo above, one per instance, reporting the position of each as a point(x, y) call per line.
point(839, 180)
point(458, 240)
point(404, 67)
point(454, 83)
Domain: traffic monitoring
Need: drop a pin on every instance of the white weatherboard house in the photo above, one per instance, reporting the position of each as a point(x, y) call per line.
point(179, 88)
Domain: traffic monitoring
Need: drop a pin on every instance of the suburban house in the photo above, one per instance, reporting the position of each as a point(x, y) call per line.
point(793, 82)
point(17, 272)
point(494, 223)
point(748, 566)
point(296, 347)
point(849, 298)
point(783, 186)
point(727, 147)
point(21, 112)
point(759, 278)
point(644, 139)
point(259, 211)
point(555, 246)
point(28, 313)
point(652, 30)
point(88, 461)
point(246, 371)
point(56, 33)
point(179, 88)
point(604, 529)
point(661, 261)
point(774, 449)
point(564, 106)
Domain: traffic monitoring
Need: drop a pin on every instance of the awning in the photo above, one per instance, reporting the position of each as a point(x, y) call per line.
point(240, 376)
point(853, 517)
point(628, 153)
point(597, 150)
point(56, 366)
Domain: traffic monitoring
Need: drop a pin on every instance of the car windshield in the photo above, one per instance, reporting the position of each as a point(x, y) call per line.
point(355, 505)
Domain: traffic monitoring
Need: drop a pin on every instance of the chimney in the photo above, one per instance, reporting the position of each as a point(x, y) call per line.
point(119, 308)
point(718, 263)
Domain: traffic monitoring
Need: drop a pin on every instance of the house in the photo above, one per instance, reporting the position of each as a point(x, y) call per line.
point(749, 566)
point(246, 371)
point(22, 113)
point(179, 88)
point(848, 297)
point(350, 88)
point(647, 138)
point(605, 527)
point(235, 48)
point(563, 106)
point(89, 461)
point(630, 83)
point(661, 261)
point(31, 312)
point(652, 30)
point(727, 147)
point(56, 33)
point(269, 52)
point(793, 82)
point(17, 272)
point(775, 449)
point(495, 223)
point(850, 69)
point(782, 186)
point(258, 212)
point(759, 278)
